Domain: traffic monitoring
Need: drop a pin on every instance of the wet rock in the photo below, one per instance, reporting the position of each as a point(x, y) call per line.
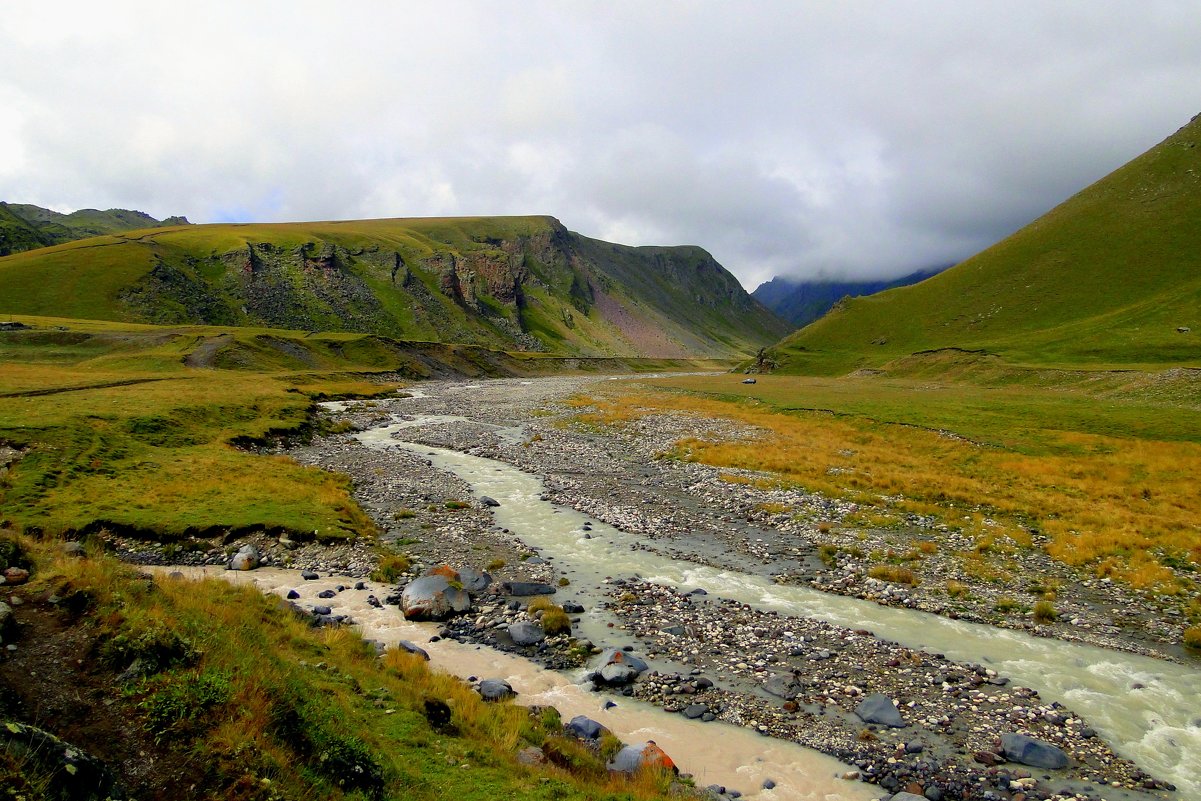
point(309, 575)
point(322, 610)
point(292, 595)
point(616, 675)
point(585, 728)
point(489, 501)
point(695, 711)
point(573, 608)
point(495, 690)
point(633, 758)
point(524, 588)
point(879, 708)
point(474, 581)
point(247, 558)
point(618, 657)
point(410, 647)
point(526, 633)
point(433, 598)
point(327, 594)
point(1035, 753)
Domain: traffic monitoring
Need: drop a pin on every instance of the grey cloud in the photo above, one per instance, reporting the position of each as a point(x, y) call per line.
point(852, 139)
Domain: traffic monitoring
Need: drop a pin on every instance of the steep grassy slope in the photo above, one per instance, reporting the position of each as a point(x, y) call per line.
point(802, 302)
point(26, 227)
point(1106, 278)
point(515, 283)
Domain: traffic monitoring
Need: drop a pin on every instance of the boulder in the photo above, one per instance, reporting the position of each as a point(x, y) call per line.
point(531, 756)
point(247, 558)
point(523, 588)
point(16, 575)
point(322, 611)
point(526, 633)
point(474, 581)
point(585, 728)
point(781, 686)
point(572, 608)
point(487, 501)
point(495, 690)
point(633, 758)
point(309, 575)
point(879, 708)
point(618, 657)
point(1035, 753)
point(433, 598)
point(410, 647)
point(694, 711)
point(616, 675)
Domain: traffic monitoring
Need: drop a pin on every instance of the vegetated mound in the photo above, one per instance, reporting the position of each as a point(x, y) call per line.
point(802, 302)
point(513, 283)
point(120, 685)
point(27, 227)
point(1110, 277)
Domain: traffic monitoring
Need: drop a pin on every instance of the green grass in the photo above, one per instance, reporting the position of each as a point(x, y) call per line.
point(1103, 279)
point(520, 276)
point(239, 697)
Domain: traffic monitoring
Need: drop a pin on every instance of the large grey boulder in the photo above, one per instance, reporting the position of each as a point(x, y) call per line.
point(526, 633)
point(433, 598)
point(408, 646)
point(585, 728)
point(879, 708)
point(617, 657)
point(247, 558)
point(782, 687)
point(495, 690)
point(616, 675)
point(1035, 753)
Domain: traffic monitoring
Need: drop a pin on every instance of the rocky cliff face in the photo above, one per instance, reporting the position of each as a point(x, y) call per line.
point(512, 283)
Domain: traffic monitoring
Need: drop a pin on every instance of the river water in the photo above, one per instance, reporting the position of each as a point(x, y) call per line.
point(1149, 710)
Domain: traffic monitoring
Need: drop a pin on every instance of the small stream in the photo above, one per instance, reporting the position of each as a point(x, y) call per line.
point(1147, 709)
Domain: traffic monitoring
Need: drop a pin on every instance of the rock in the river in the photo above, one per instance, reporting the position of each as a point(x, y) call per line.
point(1035, 753)
point(474, 581)
point(616, 675)
point(410, 647)
point(633, 758)
point(618, 657)
point(495, 690)
point(695, 711)
point(488, 501)
point(309, 575)
point(526, 633)
point(523, 588)
point(879, 708)
point(433, 598)
point(247, 558)
point(585, 728)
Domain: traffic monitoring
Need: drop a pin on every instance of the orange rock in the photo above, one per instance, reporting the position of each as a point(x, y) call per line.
point(444, 570)
point(655, 757)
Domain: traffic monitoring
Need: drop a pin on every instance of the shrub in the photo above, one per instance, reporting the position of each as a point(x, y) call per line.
point(1192, 637)
point(1007, 604)
point(555, 621)
point(183, 701)
point(495, 564)
point(956, 589)
point(12, 554)
point(456, 505)
point(894, 574)
point(564, 581)
point(1044, 612)
point(927, 547)
point(390, 568)
point(404, 514)
point(827, 553)
point(155, 648)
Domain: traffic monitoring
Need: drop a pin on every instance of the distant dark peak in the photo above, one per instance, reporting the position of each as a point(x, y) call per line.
point(802, 301)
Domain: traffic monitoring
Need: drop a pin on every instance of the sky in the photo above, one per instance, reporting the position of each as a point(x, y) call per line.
point(840, 139)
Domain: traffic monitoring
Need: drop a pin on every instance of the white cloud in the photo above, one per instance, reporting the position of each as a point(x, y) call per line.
point(852, 138)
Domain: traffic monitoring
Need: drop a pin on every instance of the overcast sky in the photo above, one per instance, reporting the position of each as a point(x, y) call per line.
point(851, 139)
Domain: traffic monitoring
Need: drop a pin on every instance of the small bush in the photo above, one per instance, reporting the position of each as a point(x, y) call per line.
point(1192, 637)
point(1044, 612)
point(390, 568)
point(825, 526)
point(956, 589)
point(494, 565)
point(564, 581)
point(827, 553)
point(155, 649)
point(540, 604)
point(456, 505)
point(927, 547)
point(1007, 604)
point(894, 574)
point(184, 701)
point(555, 621)
point(404, 514)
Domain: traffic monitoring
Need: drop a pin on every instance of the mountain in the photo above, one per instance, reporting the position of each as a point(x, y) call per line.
point(515, 283)
point(26, 227)
point(802, 302)
point(1111, 277)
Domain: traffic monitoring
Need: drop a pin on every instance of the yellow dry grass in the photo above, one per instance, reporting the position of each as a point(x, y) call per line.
point(1128, 507)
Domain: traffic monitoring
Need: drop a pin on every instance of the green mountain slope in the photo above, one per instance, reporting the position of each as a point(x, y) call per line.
point(515, 283)
point(26, 227)
point(1106, 278)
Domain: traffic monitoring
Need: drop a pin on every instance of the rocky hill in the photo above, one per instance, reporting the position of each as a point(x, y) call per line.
point(515, 283)
point(26, 227)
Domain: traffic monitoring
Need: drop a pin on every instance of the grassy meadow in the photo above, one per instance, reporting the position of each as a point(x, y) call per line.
point(117, 431)
point(227, 692)
point(1103, 468)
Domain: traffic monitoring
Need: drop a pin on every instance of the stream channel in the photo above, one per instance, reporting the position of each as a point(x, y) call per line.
point(1149, 710)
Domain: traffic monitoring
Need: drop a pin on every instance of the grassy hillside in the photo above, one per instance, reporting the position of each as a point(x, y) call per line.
point(199, 690)
point(26, 227)
point(1104, 279)
point(514, 283)
point(802, 302)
